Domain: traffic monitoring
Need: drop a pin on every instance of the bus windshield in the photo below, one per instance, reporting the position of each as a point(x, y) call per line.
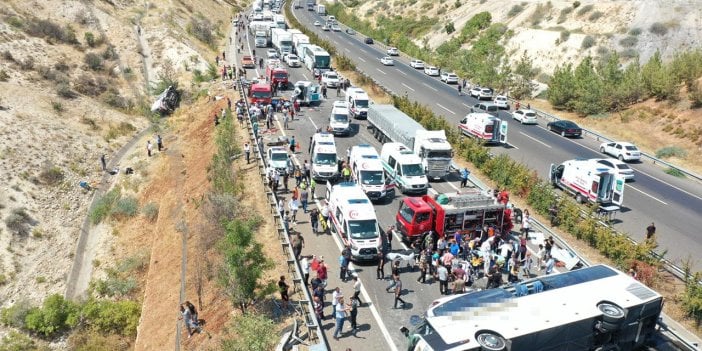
point(321, 61)
point(412, 170)
point(325, 159)
point(364, 229)
point(372, 177)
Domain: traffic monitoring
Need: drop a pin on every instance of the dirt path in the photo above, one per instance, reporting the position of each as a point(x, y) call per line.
point(90, 237)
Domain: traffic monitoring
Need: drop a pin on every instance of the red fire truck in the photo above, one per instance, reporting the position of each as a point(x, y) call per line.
point(260, 92)
point(446, 214)
point(277, 74)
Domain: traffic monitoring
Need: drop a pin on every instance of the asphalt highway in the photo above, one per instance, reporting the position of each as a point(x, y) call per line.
point(674, 204)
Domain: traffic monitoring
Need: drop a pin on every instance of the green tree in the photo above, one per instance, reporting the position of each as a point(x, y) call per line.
point(249, 337)
point(521, 84)
point(449, 28)
point(588, 89)
point(657, 80)
point(55, 314)
point(244, 264)
point(561, 88)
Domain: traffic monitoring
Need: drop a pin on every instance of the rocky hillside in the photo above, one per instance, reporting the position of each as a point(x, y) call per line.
point(554, 32)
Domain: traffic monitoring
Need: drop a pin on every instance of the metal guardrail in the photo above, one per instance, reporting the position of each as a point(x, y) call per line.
point(314, 328)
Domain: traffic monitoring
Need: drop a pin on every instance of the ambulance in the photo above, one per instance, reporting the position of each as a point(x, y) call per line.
point(353, 220)
point(484, 126)
point(404, 167)
point(589, 181)
point(324, 160)
point(367, 171)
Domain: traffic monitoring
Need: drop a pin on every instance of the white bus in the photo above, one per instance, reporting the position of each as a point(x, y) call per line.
point(590, 309)
point(317, 60)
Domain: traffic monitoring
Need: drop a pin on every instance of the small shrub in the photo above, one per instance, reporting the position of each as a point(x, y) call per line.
point(55, 315)
point(150, 211)
point(671, 151)
point(15, 21)
point(113, 98)
point(89, 39)
point(40, 280)
point(588, 42)
point(658, 29)
point(14, 315)
point(89, 85)
point(635, 31)
point(675, 172)
point(51, 175)
point(18, 221)
point(628, 53)
point(114, 285)
point(202, 29)
point(15, 341)
point(695, 95)
point(515, 10)
point(629, 41)
point(564, 14)
point(7, 55)
point(449, 28)
point(4, 77)
point(125, 207)
point(585, 9)
point(47, 29)
point(595, 16)
point(27, 64)
point(247, 328)
point(64, 90)
point(110, 53)
point(576, 4)
point(103, 206)
point(94, 61)
point(57, 106)
point(119, 317)
point(565, 35)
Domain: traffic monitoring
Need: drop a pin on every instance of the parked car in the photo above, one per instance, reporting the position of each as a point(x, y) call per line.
point(392, 51)
point(336, 28)
point(619, 167)
point(271, 54)
point(501, 102)
point(387, 61)
point(475, 91)
point(278, 159)
point(525, 116)
point(317, 23)
point(292, 60)
point(449, 78)
point(418, 64)
point(331, 79)
point(622, 150)
point(485, 94)
point(431, 71)
point(565, 128)
point(350, 31)
point(368, 40)
point(487, 107)
point(325, 28)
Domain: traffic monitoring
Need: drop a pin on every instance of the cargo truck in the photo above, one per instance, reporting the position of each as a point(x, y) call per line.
point(298, 40)
point(282, 41)
point(390, 124)
point(321, 10)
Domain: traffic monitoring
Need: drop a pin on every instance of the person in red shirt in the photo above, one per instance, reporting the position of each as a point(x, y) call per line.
point(322, 272)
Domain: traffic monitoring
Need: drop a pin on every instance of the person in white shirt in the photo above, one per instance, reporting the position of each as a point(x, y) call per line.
point(247, 152)
point(293, 205)
point(526, 223)
point(305, 266)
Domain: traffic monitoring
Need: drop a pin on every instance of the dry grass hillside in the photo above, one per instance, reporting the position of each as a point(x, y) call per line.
point(74, 76)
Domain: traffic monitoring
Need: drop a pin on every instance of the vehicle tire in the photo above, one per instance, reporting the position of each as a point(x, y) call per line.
point(621, 158)
point(490, 341)
point(611, 313)
point(609, 327)
point(563, 133)
point(602, 150)
point(579, 198)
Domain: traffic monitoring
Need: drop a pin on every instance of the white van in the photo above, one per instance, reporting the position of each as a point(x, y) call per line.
point(339, 119)
point(367, 171)
point(323, 158)
point(353, 219)
point(404, 168)
point(358, 102)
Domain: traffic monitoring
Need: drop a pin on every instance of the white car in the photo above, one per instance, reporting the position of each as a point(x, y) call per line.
point(525, 116)
point(278, 159)
point(619, 167)
point(387, 61)
point(449, 78)
point(325, 28)
point(317, 23)
point(431, 71)
point(622, 150)
point(331, 79)
point(475, 91)
point(485, 93)
point(418, 64)
point(292, 60)
point(501, 102)
point(335, 28)
point(392, 51)
point(339, 118)
point(272, 54)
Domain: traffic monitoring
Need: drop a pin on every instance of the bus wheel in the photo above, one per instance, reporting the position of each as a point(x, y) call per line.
point(490, 341)
point(611, 313)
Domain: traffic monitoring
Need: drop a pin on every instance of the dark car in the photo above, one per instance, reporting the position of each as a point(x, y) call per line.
point(368, 40)
point(565, 128)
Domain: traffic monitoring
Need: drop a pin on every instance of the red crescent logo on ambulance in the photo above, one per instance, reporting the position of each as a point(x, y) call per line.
point(353, 214)
point(364, 165)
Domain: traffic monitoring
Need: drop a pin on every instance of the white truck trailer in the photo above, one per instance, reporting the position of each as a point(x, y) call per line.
point(281, 40)
point(391, 124)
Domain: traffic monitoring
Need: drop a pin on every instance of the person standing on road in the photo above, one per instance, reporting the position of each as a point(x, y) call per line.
point(322, 272)
point(442, 274)
point(338, 89)
point(340, 314)
point(283, 288)
point(380, 270)
point(298, 243)
point(159, 142)
point(395, 273)
point(344, 265)
point(465, 173)
point(352, 309)
point(423, 266)
point(460, 92)
point(103, 162)
point(314, 220)
point(650, 231)
point(304, 197)
point(398, 292)
point(305, 265)
point(149, 147)
point(247, 152)
point(356, 289)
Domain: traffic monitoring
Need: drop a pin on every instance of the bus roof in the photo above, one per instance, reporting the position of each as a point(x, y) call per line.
point(565, 298)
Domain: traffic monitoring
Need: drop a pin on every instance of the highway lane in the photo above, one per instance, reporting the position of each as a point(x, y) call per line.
point(674, 205)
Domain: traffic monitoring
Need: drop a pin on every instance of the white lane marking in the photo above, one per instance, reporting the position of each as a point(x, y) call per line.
point(536, 140)
point(380, 71)
point(431, 190)
point(347, 49)
point(311, 121)
point(363, 50)
point(360, 58)
point(442, 106)
point(430, 87)
point(647, 194)
point(453, 186)
point(407, 86)
point(305, 76)
point(335, 42)
point(668, 184)
point(466, 105)
point(366, 296)
point(403, 73)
